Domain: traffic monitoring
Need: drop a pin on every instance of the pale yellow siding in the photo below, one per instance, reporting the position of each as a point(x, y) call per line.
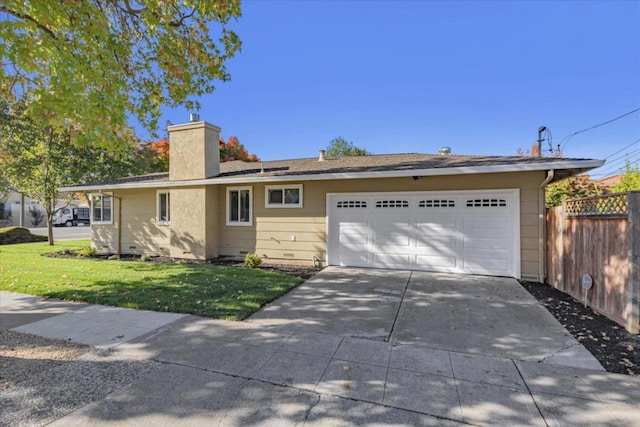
point(105, 238)
point(270, 236)
point(134, 229)
point(198, 219)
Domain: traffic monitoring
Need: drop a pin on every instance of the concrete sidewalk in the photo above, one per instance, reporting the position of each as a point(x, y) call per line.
point(188, 370)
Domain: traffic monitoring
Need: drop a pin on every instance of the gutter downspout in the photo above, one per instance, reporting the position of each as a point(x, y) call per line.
point(542, 228)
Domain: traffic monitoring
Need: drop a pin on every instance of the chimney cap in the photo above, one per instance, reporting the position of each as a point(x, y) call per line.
point(321, 157)
point(194, 117)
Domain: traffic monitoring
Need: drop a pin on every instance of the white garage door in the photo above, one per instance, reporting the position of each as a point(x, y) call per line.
point(456, 232)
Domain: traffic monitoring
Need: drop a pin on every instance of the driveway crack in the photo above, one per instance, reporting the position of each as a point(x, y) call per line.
point(395, 318)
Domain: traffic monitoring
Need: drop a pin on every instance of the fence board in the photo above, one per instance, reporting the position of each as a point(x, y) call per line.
point(597, 243)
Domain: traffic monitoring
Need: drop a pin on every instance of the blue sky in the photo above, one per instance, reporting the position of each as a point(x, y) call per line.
point(412, 76)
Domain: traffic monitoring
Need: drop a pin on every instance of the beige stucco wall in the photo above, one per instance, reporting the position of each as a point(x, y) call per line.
point(135, 212)
point(194, 223)
point(270, 234)
point(195, 151)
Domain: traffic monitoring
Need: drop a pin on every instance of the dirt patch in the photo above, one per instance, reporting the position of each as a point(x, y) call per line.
point(302, 271)
point(616, 349)
point(24, 356)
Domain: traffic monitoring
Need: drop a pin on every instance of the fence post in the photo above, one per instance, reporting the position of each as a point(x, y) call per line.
point(561, 267)
point(633, 297)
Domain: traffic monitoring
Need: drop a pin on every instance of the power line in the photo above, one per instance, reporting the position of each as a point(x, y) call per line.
point(568, 137)
point(615, 167)
point(622, 149)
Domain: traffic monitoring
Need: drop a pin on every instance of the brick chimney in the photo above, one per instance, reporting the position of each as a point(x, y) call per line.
point(195, 151)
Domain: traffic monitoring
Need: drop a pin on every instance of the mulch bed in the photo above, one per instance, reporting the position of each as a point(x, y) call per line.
point(616, 349)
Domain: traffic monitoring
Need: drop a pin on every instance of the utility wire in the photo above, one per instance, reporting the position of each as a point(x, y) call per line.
point(567, 138)
point(615, 167)
point(622, 149)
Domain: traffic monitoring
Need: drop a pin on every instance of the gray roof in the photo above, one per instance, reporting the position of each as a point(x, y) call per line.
point(366, 164)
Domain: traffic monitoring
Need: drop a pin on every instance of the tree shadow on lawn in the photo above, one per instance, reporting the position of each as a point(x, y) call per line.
point(230, 293)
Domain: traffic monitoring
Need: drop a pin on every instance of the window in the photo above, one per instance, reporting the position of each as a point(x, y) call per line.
point(485, 203)
point(351, 204)
point(392, 204)
point(163, 211)
point(239, 206)
point(101, 208)
point(436, 203)
point(289, 196)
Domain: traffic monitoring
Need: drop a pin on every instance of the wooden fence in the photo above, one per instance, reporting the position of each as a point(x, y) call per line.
point(599, 236)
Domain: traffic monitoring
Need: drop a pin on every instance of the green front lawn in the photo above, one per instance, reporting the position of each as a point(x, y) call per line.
point(202, 289)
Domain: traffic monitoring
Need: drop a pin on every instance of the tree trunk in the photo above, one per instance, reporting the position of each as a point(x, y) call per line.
point(50, 230)
point(50, 213)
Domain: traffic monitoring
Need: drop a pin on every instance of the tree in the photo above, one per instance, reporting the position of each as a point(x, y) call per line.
point(83, 68)
point(339, 147)
point(36, 160)
point(574, 187)
point(158, 151)
point(234, 150)
point(629, 179)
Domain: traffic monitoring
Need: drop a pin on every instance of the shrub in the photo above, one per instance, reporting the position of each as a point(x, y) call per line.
point(252, 261)
point(36, 215)
point(145, 258)
point(87, 251)
point(10, 235)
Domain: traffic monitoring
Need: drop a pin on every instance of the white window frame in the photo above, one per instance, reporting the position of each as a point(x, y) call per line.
point(283, 188)
point(160, 221)
point(102, 195)
point(228, 213)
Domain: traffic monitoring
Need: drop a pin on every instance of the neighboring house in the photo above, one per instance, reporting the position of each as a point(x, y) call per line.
point(609, 181)
point(460, 214)
point(17, 204)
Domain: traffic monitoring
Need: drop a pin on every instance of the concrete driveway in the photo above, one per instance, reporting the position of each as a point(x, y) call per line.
point(348, 347)
point(489, 316)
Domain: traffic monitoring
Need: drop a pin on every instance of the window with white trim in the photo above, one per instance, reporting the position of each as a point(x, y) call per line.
point(283, 196)
point(163, 208)
point(239, 206)
point(101, 208)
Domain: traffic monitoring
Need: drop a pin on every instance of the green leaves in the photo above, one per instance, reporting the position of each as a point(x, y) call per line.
point(339, 147)
point(629, 179)
point(85, 67)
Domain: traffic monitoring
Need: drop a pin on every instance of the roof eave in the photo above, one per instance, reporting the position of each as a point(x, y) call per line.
point(574, 167)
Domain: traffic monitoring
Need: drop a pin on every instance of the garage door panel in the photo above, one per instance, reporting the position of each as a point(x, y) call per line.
point(392, 260)
point(354, 258)
point(492, 222)
point(352, 240)
point(486, 265)
point(427, 262)
point(485, 246)
point(385, 240)
point(464, 232)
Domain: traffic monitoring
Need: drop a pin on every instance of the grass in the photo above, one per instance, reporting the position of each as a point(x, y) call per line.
point(221, 292)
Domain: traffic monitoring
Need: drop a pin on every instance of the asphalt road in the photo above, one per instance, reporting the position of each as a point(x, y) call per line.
point(64, 233)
